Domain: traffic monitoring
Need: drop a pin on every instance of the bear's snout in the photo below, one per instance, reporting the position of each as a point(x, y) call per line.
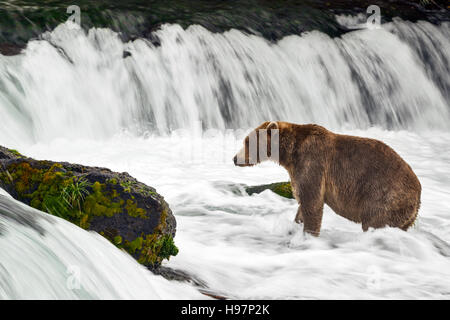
point(240, 159)
point(242, 162)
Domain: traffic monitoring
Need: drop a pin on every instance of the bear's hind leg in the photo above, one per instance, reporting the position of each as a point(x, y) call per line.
point(401, 218)
point(373, 219)
point(406, 217)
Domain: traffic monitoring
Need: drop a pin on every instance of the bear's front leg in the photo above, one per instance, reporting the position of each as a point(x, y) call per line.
point(312, 218)
point(299, 216)
point(311, 191)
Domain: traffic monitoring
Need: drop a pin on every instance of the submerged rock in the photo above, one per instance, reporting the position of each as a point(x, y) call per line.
point(178, 275)
point(130, 214)
point(281, 188)
point(10, 49)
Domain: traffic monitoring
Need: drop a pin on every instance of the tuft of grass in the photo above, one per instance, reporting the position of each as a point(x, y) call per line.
point(74, 194)
point(69, 203)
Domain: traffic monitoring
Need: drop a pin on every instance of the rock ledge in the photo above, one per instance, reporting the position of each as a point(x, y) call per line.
point(132, 215)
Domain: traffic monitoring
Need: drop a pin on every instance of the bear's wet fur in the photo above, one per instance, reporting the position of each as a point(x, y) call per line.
point(361, 179)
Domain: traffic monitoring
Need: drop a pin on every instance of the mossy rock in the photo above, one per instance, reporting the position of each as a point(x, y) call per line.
point(132, 215)
point(281, 188)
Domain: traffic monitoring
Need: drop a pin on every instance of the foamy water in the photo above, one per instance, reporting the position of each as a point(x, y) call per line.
point(249, 247)
point(45, 257)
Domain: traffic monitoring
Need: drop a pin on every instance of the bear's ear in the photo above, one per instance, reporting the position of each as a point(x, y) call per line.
point(272, 125)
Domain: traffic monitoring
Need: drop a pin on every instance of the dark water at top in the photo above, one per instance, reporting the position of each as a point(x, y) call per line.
point(22, 20)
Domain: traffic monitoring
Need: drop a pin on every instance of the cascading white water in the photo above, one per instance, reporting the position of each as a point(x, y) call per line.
point(73, 84)
point(45, 257)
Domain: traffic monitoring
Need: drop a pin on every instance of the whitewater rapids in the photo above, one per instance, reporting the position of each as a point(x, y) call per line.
point(45, 257)
point(246, 247)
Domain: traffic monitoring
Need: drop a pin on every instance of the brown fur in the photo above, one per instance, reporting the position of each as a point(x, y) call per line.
point(361, 179)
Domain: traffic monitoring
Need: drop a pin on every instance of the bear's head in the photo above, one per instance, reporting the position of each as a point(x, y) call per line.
point(260, 145)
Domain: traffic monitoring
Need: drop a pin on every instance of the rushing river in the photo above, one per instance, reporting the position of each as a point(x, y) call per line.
point(172, 113)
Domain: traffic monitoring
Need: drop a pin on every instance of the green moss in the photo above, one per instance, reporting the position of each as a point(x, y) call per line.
point(112, 181)
point(16, 153)
point(23, 176)
point(84, 221)
point(101, 203)
point(147, 192)
point(42, 188)
point(126, 185)
point(50, 188)
point(134, 245)
point(167, 248)
point(117, 240)
point(152, 249)
point(284, 190)
point(134, 211)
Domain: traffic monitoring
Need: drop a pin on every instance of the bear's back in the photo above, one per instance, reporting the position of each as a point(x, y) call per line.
point(368, 168)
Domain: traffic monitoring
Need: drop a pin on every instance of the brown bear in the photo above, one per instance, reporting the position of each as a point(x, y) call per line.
point(361, 179)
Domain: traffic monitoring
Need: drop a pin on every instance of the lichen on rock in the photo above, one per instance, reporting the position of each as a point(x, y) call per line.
point(132, 215)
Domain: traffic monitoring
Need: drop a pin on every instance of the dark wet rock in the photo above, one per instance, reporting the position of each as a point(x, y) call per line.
point(272, 20)
point(213, 295)
point(177, 275)
point(127, 212)
point(126, 54)
point(281, 188)
point(182, 276)
point(10, 49)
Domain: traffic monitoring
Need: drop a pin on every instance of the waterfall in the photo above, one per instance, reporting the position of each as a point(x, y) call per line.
point(72, 83)
point(45, 257)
